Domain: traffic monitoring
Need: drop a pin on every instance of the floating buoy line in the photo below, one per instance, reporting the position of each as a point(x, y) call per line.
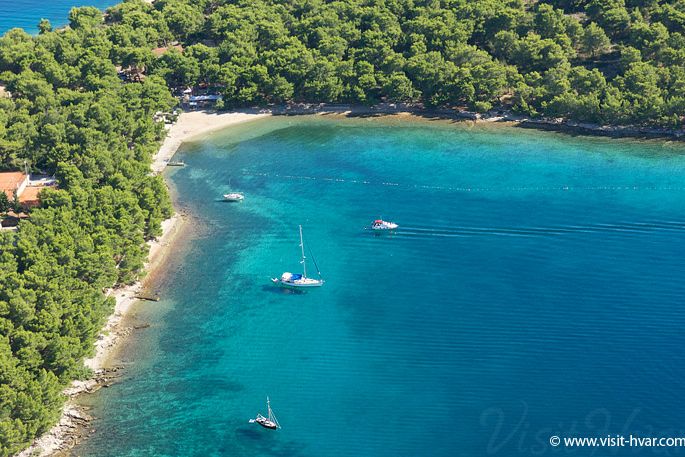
point(467, 188)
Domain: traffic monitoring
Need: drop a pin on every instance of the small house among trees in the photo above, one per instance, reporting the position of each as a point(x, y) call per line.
point(18, 190)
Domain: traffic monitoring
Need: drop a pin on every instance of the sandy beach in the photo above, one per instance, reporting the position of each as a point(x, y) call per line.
point(193, 124)
point(70, 428)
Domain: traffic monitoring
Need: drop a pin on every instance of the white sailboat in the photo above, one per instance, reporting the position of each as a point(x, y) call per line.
point(234, 197)
point(269, 422)
point(288, 279)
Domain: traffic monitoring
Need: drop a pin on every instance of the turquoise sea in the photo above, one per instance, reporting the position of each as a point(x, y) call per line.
point(27, 13)
point(535, 288)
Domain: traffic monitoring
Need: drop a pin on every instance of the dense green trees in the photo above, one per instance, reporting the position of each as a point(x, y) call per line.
point(594, 41)
point(475, 54)
point(70, 114)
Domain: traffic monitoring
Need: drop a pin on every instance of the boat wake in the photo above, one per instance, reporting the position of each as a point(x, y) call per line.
point(619, 228)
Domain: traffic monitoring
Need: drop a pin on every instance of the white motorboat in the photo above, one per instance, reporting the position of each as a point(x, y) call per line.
point(269, 422)
point(234, 197)
point(380, 224)
point(295, 280)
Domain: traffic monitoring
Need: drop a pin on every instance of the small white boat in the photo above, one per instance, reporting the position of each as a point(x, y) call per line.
point(269, 422)
point(294, 280)
point(380, 224)
point(234, 197)
point(177, 163)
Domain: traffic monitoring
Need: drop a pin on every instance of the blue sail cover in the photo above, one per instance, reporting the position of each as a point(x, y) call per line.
point(295, 277)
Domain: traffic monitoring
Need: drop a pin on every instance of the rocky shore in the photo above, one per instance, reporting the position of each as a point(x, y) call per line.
point(75, 423)
point(556, 124)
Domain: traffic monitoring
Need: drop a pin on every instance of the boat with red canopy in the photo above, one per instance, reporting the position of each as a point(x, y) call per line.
point(380, 224)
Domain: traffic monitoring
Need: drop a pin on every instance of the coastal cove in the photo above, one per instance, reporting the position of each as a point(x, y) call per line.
point(524, 285)
point(158, 157)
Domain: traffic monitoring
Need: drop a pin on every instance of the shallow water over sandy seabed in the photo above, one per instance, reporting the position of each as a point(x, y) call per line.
point(534, 288)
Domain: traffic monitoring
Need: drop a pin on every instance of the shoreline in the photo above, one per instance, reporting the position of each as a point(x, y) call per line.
point(73, 425)
point(206, 121)
point(193, 124)
point(494, 118)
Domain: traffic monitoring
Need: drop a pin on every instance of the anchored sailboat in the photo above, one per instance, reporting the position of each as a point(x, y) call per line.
point(234, 197)
point(288, 279)
point(269, 422)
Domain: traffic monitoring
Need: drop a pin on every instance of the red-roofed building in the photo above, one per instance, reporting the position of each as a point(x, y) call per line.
point(13, 181)
point(30, 197)
point(28, 192)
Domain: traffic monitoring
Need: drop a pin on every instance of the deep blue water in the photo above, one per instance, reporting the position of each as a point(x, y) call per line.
point(27, 13)
point(534, 288)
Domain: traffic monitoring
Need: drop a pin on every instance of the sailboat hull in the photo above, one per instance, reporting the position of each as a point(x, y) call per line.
point(309, 283)
point(267, 424)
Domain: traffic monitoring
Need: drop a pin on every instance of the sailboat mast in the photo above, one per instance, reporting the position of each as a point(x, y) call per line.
point(304, 262)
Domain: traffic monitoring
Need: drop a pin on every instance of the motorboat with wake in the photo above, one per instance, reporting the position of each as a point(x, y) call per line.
point(380, 224)
point(269, 422)
point(299, 281)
